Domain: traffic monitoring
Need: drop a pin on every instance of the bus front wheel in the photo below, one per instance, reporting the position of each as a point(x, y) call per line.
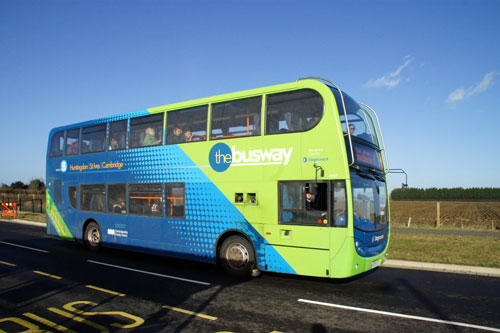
point(93, 236)
point(237, 256)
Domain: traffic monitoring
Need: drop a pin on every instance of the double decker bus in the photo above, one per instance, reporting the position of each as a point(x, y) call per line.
point(288, 178)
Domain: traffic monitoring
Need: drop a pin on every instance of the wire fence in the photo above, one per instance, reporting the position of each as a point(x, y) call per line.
point(35, 204)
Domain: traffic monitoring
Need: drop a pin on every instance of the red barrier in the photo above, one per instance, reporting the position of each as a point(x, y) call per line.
point(9, 209)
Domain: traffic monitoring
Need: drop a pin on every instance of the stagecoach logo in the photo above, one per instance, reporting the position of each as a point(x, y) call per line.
point(221, 157)
point(64, 166)
point(322, 159)
point(377, 238)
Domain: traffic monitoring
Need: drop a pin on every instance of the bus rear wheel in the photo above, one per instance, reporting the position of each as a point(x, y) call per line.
point(93, 237)
point(237, 256)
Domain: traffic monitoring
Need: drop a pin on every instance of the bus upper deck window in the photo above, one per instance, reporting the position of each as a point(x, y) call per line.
point(93, 139)
point(187, 125)
point(72, 141)
point(236, 118)
point(146, 131)
point(294, 111)
point(57, 145)
point(117, 135)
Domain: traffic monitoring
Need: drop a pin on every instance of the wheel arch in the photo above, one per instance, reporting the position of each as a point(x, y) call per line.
point(225, 235)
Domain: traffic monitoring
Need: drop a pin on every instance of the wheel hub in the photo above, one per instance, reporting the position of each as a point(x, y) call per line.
point(237, 256)
point(94, 236)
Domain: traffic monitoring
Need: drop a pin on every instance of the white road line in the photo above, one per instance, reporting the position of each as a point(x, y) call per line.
point(24, 247)
point(400, 315)
point(150, 273)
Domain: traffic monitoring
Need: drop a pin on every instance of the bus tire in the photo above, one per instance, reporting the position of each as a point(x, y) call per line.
point(93, 237)
point(237, 256)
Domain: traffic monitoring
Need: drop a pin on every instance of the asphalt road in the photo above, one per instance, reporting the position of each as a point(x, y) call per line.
point(55, 285)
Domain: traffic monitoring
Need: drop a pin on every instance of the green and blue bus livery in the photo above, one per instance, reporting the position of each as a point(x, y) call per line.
point(288, 178)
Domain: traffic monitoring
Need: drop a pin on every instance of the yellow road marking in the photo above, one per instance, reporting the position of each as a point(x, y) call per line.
point(191, 313)
point(48, 275)
point(79, 319)
point(137, 321)
point(48, 323)
point(7, 263)
point(105, 290)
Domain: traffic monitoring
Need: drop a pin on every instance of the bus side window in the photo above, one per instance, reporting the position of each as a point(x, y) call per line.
point(93, 198)
point(57, 145)
point(175, 200)
point(146, 199)
point(146, 131)
point(57, 195)
point(117, 199)
point(294, 111)
point(72, 141)
point(236, 118)
point(93, 139)
point(339, 204)
point(117, 135)
point(304, 203)
point(291, 203)
point(72, 196)
point(187, 125)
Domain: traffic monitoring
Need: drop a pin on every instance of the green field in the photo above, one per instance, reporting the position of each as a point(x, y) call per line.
point(445, 249)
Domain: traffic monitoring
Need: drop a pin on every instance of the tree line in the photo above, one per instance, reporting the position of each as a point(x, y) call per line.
point(34, 185)
point(447, 194)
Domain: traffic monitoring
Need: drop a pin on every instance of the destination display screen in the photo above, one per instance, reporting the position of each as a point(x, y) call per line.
point(366, 156)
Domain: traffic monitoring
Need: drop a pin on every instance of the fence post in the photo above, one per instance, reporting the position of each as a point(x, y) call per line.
point(438, 215)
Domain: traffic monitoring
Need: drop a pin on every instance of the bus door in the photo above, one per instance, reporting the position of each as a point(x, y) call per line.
point(69, 209)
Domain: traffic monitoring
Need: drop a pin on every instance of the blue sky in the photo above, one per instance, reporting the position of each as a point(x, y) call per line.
point(431, 69)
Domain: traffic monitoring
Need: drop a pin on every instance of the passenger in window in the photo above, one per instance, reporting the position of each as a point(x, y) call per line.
point(308, 200)
point(72, 148)
point(113, 144)
point(176, 135)
point(149, 138)
point(352, 128)
point(156, 208)
point(313, 204)
point(120, 207)
point(253, 199)
point(73, 198)
point(188, 135)
point(290, 122)
point(314, 120)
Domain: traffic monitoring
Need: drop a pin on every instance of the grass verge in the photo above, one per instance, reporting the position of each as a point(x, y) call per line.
point(34, 217)
point(445, 249)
